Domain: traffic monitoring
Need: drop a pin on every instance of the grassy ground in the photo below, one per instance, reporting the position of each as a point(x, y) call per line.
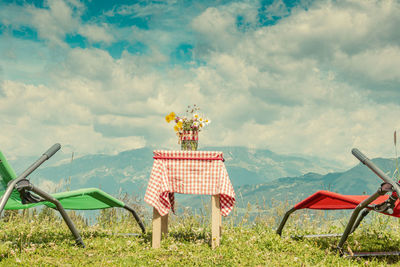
point(42, 239)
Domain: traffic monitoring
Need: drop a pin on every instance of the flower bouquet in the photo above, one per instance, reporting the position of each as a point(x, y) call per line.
point(187, 128)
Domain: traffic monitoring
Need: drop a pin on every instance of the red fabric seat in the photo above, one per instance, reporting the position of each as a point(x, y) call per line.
point(325, 200)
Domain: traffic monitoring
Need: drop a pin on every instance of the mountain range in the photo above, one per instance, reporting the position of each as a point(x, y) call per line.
point(258, 175)
point(358, 180)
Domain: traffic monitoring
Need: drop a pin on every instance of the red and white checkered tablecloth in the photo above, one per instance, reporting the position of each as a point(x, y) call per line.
point(188, 172)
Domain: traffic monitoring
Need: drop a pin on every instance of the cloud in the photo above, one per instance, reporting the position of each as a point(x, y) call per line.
point(306, 84)
point(288, 67)
point(96, 34)
point(13, 15)
point(35, 117)
point(54, 22)
point(359, 32)
point(143, 9)
point(217, 28)
point(379, 65)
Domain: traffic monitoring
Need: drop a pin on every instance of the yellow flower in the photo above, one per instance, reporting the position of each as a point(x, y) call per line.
point(170, 117)
point(176, 128)
point(179, 124)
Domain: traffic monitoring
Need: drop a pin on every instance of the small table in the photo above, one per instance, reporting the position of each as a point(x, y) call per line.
point(188, 172)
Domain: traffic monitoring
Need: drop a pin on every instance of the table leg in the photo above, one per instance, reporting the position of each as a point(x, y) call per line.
point(215, 221)
point(160, 226)
point(164, 224)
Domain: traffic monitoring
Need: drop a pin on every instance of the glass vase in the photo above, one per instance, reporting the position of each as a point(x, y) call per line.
point(189, 145)
point(189, 140)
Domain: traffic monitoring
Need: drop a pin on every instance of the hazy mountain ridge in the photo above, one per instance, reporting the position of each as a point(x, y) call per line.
point(258, 175)
point(355, 181)
point(130, 170)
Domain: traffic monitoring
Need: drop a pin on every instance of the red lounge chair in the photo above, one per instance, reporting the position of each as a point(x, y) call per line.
point(379, 202)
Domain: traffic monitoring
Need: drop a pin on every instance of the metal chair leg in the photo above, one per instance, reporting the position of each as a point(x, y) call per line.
point(136, 218)
point(364, 213)
point(284, 220)
point(351, 224)
point(3, 202)
point(60, 208)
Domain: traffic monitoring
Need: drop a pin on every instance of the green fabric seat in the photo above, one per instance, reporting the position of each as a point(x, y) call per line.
point(82, 199)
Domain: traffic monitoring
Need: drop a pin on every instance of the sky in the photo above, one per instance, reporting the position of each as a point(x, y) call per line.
point(303, 77)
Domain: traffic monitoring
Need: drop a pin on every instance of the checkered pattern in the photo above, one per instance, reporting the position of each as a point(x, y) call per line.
point(188, 172)
point(189, 135)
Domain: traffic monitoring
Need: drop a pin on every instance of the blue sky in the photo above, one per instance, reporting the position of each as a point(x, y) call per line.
point(303, 77)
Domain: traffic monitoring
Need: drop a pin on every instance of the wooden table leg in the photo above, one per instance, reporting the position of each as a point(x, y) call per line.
point(160, 226)
point(164, 224)
point(215, 221)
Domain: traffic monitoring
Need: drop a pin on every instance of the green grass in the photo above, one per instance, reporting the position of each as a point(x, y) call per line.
point(42, 239)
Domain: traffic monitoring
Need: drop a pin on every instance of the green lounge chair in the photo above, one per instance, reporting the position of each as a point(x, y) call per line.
point(19, 193)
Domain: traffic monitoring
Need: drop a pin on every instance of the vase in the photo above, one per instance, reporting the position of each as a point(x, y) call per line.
point(189, 140)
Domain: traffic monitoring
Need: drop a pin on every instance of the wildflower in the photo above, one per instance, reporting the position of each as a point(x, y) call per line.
point(170, 117)
point(179, 124)
point(191, 122)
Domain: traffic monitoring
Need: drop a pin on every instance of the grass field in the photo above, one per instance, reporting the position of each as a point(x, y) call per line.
point(41, 239)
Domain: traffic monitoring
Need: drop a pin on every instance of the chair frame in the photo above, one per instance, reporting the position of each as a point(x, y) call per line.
point(362, 209)
point(23, 185)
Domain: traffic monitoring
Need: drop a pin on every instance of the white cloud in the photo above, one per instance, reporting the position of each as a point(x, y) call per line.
point(95, 33)
point(311, 102)
point(294, 87)
point(143, 10)
point(217, 28)
point(13, 15)
point(379, 64)
point(55, 22)
point(34, 117)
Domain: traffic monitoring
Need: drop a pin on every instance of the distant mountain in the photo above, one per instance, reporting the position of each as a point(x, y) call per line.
point(355, 181)
point(129, 171)
point(256, 175)
point(126, 172)
point(254, 166)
